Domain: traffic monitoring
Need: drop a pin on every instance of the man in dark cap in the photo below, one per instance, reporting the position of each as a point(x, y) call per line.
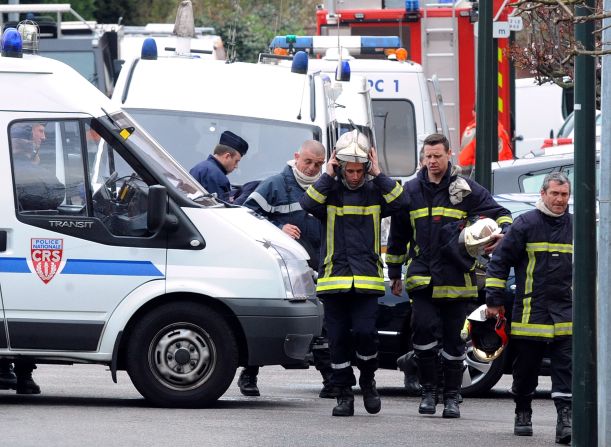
point(212, 172)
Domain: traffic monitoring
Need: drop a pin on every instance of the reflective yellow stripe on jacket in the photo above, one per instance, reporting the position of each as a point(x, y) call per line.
point(496, 282)
point(396, 192)
point(541, 330)
point(346, 282)
point(315, 195)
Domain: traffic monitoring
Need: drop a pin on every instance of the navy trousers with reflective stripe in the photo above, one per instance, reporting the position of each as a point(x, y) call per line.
point(436, 321)
point(350, 319)
point(527, 361)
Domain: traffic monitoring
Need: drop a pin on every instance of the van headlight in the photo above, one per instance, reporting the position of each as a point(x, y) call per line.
point(297, 275)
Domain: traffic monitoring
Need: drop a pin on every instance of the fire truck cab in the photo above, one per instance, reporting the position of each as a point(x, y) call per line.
point(437, 34)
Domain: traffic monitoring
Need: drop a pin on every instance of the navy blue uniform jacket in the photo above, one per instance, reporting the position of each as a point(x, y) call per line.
point(351, 241)
point(212, 176)
point(425, 235)
point(540, 248)
point(277, 199)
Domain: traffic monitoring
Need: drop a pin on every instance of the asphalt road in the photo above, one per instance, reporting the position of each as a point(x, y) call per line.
point(81, 406)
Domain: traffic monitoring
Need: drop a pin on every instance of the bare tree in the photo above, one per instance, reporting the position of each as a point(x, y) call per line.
point(546, 48)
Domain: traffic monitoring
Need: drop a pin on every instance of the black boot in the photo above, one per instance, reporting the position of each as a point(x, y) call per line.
point(345, 403)
point(322, 361)
point(328, 391)
point(371, 397)
point(26, 385)
point(407, 364)
point(564, 423)
point(523, 423)
point(452, 381)
point(8, 379)
point(427, 372)
point(248, 381)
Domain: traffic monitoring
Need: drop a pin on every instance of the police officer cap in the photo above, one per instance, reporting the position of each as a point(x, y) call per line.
point(233, 141)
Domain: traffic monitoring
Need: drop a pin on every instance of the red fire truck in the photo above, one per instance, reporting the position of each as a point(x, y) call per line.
point(440, 36)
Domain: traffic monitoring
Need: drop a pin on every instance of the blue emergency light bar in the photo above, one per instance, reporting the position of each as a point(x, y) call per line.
point(12, 44)
point(320, 44)
point(149, 49)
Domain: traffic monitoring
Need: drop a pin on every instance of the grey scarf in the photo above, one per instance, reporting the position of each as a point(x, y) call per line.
point(303, 180)
point(544, 209)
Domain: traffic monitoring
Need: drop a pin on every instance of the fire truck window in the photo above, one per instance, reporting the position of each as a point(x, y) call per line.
point(395, 127)
point(48, 167)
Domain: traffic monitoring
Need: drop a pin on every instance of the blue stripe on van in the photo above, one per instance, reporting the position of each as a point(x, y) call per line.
point(14, 265)
point(88, 267)
point(110, 267)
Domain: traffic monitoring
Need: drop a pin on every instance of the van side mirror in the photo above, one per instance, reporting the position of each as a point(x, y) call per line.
point(157, 208)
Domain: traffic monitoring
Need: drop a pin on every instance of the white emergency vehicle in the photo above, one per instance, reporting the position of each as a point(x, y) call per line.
point(111, 253)
point(186, 103)
point(402, 109)
point(205, 43)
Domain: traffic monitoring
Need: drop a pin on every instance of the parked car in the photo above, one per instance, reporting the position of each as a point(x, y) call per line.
point(525, 175)
point(563, 142)
point(394, 315)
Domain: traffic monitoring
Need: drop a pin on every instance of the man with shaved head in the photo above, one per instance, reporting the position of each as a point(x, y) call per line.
point(277, 199)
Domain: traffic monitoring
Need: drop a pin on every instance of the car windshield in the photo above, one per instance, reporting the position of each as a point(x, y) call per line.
point(191, 137)
point(155, 156)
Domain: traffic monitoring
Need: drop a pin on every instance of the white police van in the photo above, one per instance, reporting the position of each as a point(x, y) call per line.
point(402, 108)
point(111, 253)
point(186, 103)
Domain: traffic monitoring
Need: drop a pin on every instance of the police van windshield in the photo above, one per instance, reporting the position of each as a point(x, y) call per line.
point(191, 137)
point(156, 157)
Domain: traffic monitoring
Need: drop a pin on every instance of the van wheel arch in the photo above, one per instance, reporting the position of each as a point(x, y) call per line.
point(182, 354)
point(201, 300)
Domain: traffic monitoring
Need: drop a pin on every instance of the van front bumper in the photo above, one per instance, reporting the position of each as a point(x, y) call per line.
point(277, 331)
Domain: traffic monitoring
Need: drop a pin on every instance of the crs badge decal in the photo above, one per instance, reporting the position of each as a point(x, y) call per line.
point(46, 257)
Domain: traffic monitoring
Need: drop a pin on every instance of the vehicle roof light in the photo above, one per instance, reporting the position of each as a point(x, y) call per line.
point(149, 49)
point(344, 74)
point(30, 34)
point(320, 44)
point(300, 63)
point(12, 45)
point(401, 54)
point(280, 51)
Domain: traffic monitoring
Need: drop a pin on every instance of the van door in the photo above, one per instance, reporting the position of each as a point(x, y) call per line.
point(76, 246)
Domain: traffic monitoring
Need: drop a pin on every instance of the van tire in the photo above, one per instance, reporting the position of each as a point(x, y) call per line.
point(182, 355)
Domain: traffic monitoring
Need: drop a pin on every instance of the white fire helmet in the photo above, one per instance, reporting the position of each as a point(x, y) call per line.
point(478, 236)
point(353, 147)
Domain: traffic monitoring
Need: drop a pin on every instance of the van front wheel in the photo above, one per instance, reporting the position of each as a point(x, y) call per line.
point(182, 355)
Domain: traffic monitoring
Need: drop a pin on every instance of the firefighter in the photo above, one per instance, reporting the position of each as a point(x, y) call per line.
point(350, 199)
point(440, 279)
point(277, 199)
point(212, 172)
point(539, 246)
point(466, 156)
